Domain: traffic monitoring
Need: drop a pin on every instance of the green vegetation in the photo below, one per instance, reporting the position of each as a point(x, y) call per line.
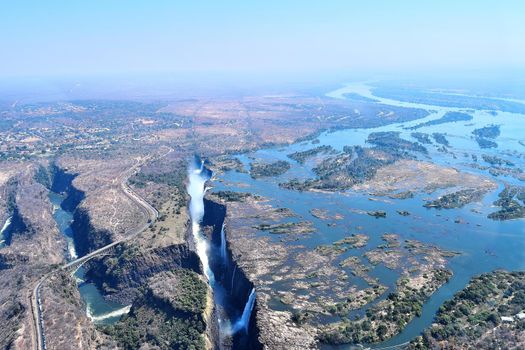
point(185, 291)
point(277, 168)
point(391, 140)
point(287, 228)
point(473, 317)
point(227, 163)
point(512, 203)
point(342, 171)
point(302, 156)
point(174, 178)
point(440, 138)
point(389, 316)
point(422, 274)
point(231, 196)
point(146, 325)
point(169, 315)
point(354, 301)
point(449, 117)
point(421, 137)
point(377, 213)
point(357, 164)
point(484, 143)
point(456, 199)
point(488, 132)
point(494, 160)
point(43, 177)
point(343, 245)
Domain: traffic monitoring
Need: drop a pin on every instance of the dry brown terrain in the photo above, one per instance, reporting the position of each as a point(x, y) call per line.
point(413, 175)
point(106, 143)
point(36, 243)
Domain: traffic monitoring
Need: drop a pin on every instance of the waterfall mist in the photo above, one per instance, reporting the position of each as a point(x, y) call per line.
point(223, 246)
point(215, 261)
point(116, 313)
point(196, 189)
point(244, 321)
point(4, 229)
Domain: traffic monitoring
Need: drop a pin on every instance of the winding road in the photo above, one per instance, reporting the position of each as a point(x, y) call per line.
point(151, 213)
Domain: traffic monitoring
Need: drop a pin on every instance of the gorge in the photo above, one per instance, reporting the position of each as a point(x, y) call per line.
point(234, 316)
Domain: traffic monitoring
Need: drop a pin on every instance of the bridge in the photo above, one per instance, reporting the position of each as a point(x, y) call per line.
point(148, 210)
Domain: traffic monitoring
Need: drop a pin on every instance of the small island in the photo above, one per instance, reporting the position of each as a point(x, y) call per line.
point(259, 169)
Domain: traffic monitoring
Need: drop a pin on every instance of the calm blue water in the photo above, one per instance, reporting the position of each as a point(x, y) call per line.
point(100, 310)
point(484, 244)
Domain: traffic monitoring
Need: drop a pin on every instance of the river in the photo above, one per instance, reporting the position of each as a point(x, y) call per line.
point(98, 309)
point(485, 245)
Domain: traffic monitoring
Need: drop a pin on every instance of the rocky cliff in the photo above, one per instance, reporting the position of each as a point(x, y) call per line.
point(66, 323)
point(121, 274)
point(33, 246)
point(87, 237)
point(170, 314)
point(230, 275)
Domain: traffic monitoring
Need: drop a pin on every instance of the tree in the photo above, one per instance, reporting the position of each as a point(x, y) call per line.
point(382, 331)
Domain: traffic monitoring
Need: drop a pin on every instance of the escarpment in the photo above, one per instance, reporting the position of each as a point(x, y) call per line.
point(249, 261)
point(231, 276)
point(16, 225)
point(30, 234)
point(86, 236)
point(103, 211)
point(63, 183)
point(33, 244)
point(122, 273)
point(66, 324)
point(170, 314)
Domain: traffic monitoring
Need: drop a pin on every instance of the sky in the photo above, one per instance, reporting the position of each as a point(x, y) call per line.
point(73, 37)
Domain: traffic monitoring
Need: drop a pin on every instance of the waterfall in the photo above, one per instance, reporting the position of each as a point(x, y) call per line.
point(6, 225)
point(233, 277)
point(71, 249)
point(97, 319)
point(198, 176)
point(196, 189)
point(223, 246)
point(244, 321)
point(4, 229)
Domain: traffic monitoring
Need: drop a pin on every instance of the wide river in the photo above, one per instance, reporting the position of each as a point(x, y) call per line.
point(485, 245)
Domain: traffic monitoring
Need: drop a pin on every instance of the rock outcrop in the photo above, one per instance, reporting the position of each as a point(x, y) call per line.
point(171, 314)
point(120, 275)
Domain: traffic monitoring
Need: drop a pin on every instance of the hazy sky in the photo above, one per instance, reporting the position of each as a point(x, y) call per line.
point(119, 36)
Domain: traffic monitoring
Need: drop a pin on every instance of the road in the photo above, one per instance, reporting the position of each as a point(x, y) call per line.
point(151, 213)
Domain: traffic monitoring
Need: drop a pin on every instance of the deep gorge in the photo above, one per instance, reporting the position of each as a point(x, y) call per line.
point(234, 311)
point(231, 287)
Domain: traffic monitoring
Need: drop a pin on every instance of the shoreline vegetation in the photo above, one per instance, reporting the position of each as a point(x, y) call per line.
point(321, 273)
point(487, 314)
point(259, 169)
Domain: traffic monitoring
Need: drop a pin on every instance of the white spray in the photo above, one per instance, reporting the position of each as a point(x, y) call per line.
point(196, 190)
point(223, 246)
point(4, 228)
point(6, 225)
point(97, 319)
point(244, 321)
